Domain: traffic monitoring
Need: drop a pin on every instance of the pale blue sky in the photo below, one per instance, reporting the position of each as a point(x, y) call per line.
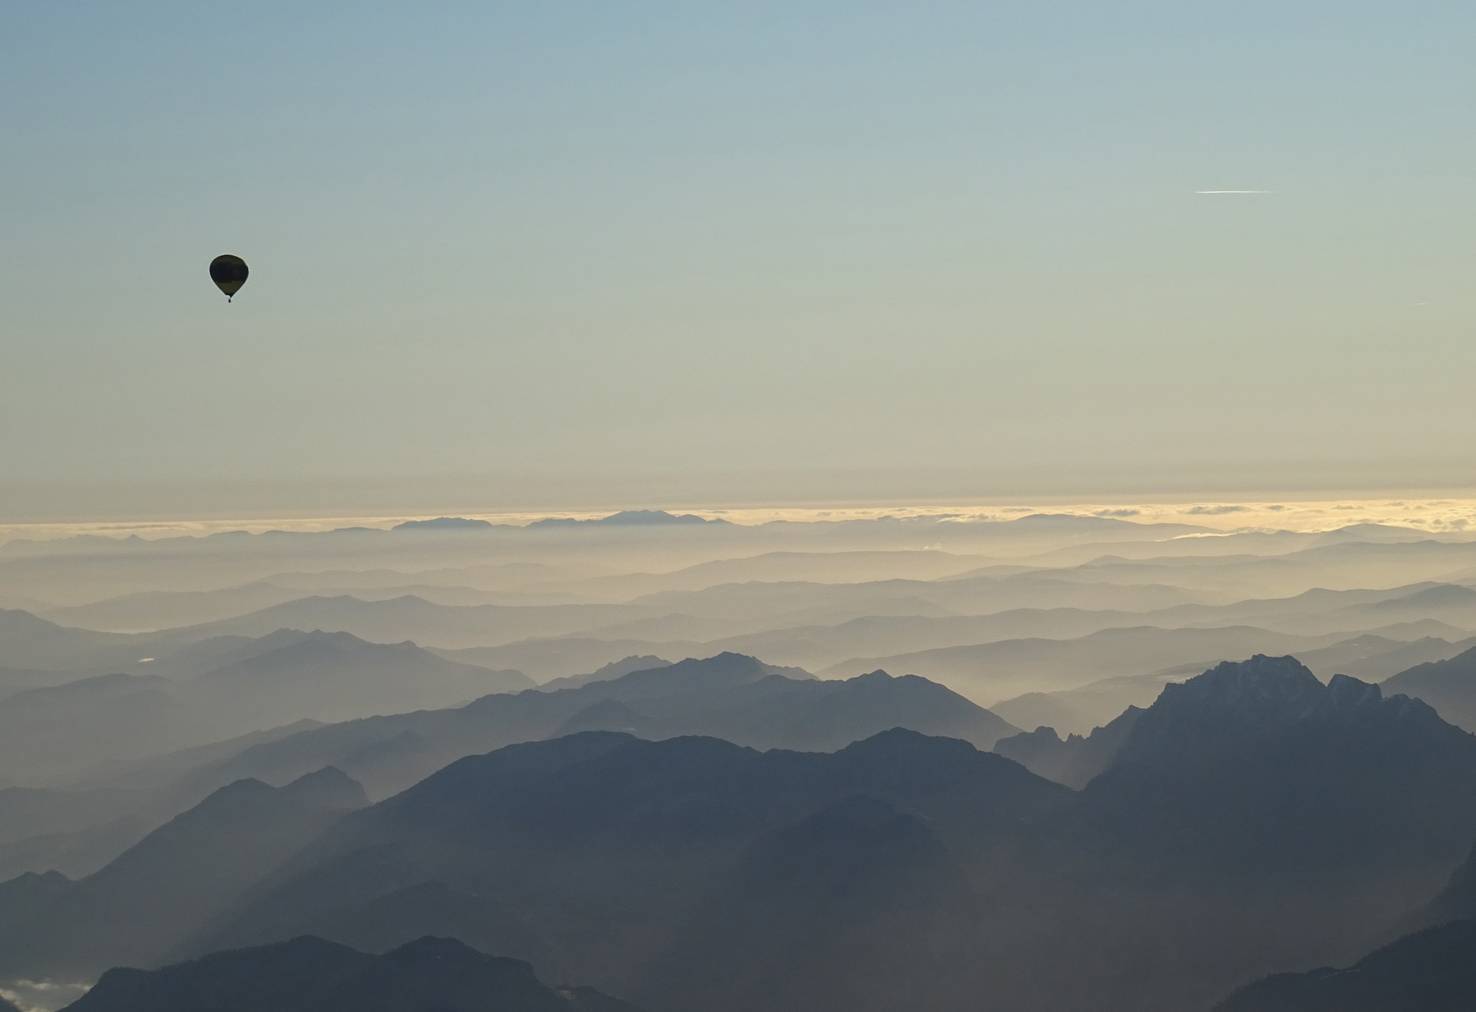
point(499, 245)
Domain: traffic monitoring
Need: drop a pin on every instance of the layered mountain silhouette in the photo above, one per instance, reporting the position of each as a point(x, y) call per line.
point(443, 524)
point(413, 618)
point(29, 642)
point(335, 676)
point(1448, 685)
point(173, 882)
point(607, 672)
point(251, 685)
point(630, 518)
point(1431, 971)
point(622, 857)
point(731, 696)
point(1457, 900)
point(1290, 819)
point(1007, 667)
point(311, 975)
point(65, 729)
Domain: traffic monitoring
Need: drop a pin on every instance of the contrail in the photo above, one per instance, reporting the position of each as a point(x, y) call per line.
point(1226, 193)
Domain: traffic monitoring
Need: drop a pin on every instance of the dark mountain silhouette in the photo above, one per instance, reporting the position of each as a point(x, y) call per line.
point(174, 881)
point(1457, 901)
point(1092, 705)
point(885, 916)
point(1448, 685)
point(1430, 971)
point(310, 975)
point(1078, 759)
point(1288, 819)
point(617, 854)
point(731, 696)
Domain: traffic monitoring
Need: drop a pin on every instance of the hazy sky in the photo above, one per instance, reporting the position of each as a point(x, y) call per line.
point(540, 250)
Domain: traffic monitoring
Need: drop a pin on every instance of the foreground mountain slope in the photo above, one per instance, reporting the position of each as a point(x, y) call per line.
point(616, 854)
point(1430, 971)
point(882, 910)
point(1290, 820)
point(171, 882)
point(310, 975)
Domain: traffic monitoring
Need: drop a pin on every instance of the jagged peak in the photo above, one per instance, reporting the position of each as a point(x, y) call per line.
point(1345, 690)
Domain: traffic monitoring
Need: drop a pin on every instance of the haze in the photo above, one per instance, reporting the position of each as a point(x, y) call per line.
point(549, 256)
point(704, 508)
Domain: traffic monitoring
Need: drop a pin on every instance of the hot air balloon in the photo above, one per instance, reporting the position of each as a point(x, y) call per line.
point(228, 271)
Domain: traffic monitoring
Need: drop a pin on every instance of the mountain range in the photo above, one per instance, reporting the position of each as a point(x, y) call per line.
point(731, 696)
point(240, 686)
point(310, 975)
point(172, 882)
point(1449, 685)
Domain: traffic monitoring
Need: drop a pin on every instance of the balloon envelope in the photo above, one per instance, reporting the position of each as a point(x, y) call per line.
point(228, 271)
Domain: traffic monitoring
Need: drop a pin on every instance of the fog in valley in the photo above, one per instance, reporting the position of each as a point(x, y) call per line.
point(701, 764)
point(762, 507)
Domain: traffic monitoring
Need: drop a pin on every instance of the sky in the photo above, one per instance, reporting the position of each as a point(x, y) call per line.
point(562, 254)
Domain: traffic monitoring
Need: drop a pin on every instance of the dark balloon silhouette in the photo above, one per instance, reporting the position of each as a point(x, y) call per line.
point(229, 272)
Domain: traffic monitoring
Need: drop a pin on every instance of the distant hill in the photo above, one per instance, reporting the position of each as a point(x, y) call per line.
point(1448, 685)
point(337, 676)
point(631, 518)
point(1081, 709)
point(274, 680)
point(1078, 759)
point(396, 620)
point(729, 696)
point(1430, 971)
point(1003, 669)
point(156, 609)
point(29, 642)
point(607, 672)
point(442, 524)
point(310, 975)
point(1374, 658)
point(62, 730)
point(545, 659)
